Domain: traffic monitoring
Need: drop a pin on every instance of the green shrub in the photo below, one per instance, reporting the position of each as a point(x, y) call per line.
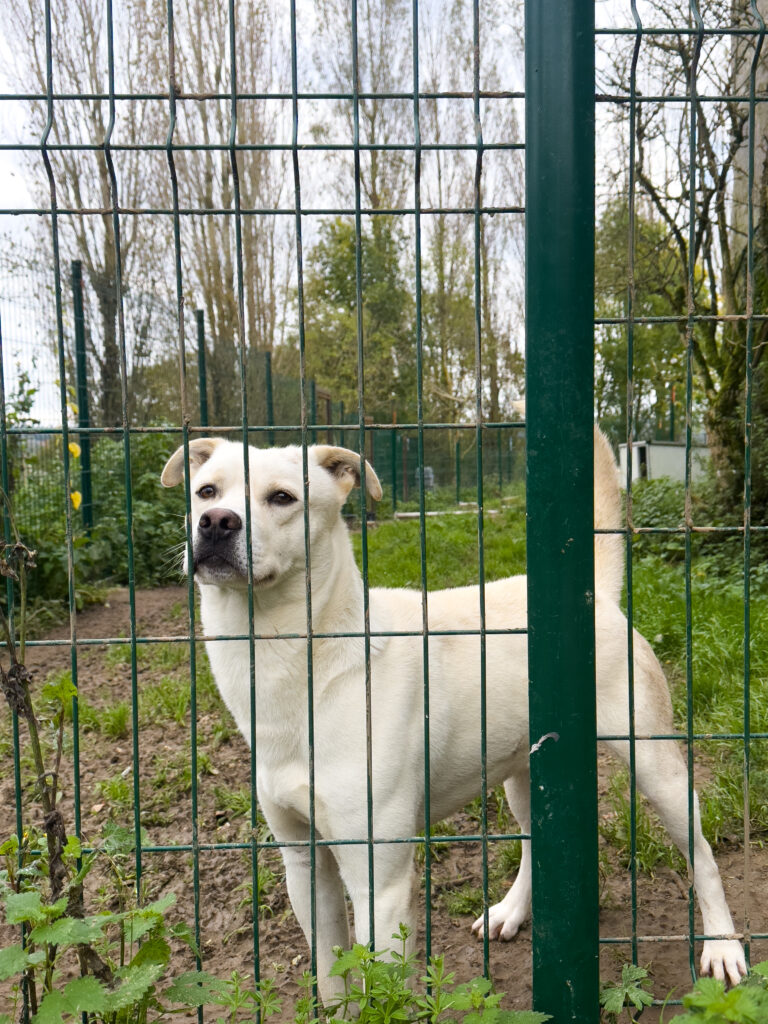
point(157, 521)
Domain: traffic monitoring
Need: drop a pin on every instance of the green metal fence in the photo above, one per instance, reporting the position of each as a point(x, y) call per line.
point(473, 453)
point(273, 398)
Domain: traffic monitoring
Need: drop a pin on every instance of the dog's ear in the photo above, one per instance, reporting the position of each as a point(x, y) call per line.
point(345, 466)
point(200, 450)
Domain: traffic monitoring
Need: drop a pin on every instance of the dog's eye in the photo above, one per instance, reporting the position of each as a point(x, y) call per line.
point(207, 492)
point(281, 498)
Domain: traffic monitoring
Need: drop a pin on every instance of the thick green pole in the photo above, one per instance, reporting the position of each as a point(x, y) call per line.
point(202, 374)
point(83, 415)
point(560, 149)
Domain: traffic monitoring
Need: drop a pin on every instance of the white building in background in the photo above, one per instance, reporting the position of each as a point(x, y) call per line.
point(652, 459)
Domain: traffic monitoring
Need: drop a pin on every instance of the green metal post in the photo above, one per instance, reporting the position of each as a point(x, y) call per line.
point(313, 408)
point(499, 460)
point(201, 371)
point(83, 415)
point(393, 452)
point(560, 153)
point(269, 396)
point(458, 472)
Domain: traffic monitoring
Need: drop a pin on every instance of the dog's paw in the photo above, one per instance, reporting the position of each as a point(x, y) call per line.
point(724, 960)
point(503, 921)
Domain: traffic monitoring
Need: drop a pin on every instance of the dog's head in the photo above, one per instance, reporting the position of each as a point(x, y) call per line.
point(276, 478)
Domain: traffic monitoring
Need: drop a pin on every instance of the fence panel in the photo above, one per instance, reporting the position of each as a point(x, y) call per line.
point(393, 194)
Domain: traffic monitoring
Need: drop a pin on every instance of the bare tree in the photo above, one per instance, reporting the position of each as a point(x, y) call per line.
point(450, 182)
point(81, 125)
point(690, 159)
point(206, 182)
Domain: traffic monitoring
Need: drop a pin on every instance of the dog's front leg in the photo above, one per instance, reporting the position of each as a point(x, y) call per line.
point(331, 925)
point(394, 892)
point(505, 918)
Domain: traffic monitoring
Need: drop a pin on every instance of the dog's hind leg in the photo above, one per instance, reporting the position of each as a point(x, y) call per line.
point(662, 777)
point(505, 918)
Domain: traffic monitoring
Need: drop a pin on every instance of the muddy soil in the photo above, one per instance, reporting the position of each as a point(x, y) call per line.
point(106, 768)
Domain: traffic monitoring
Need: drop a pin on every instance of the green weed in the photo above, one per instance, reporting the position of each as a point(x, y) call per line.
point(235, 803)
point(631, 993)
point(117, 792)
point(167, 656)
point(167, 700)
point(114, 721)
point(718, 690)
point(267, 881)
point(118, 654)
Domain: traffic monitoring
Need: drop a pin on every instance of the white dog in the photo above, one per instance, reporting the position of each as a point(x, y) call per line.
point(280, 587)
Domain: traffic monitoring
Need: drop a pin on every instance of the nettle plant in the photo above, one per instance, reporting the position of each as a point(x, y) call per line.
point(67, 962)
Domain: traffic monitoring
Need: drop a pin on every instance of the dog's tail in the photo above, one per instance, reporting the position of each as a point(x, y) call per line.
point(609, 547)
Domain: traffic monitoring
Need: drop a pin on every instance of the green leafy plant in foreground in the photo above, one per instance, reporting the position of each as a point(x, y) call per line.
point(378, 988)
point(709, 1003)
point(630, 993)
point(69, 963)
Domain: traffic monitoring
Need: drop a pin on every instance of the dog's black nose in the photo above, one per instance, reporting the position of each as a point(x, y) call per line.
point(219, 524)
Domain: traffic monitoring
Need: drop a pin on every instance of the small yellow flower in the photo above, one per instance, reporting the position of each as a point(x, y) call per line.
point(77, 499)
point(74, 449)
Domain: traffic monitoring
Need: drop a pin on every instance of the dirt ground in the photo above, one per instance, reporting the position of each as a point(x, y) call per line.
point(104, 677)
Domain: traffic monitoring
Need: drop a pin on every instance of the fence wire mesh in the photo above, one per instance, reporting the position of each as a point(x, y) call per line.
point(303, 224)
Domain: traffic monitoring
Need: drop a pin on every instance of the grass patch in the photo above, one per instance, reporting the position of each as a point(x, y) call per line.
point(118, 654)
point(167, 656)
point(117, 792)
point(235, 803)
point(394, 547)
point(172, 777)
point(718, 691)
point(166, 700)
point(115, 721)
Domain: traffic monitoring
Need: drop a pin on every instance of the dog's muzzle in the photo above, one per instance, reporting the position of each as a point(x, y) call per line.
point(218, 535)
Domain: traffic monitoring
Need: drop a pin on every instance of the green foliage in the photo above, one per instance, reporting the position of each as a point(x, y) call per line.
point(331, 330)
point(129, 978)
point(658, 352)
point(235, 803)
point(377, 991)
point(747, 1003)
point(658, 503)
point(717, 671)
point(121, 985)
point(167, 700)
point(156, 523)
point(629, 993)
point(115, 720)
point(118, 792)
